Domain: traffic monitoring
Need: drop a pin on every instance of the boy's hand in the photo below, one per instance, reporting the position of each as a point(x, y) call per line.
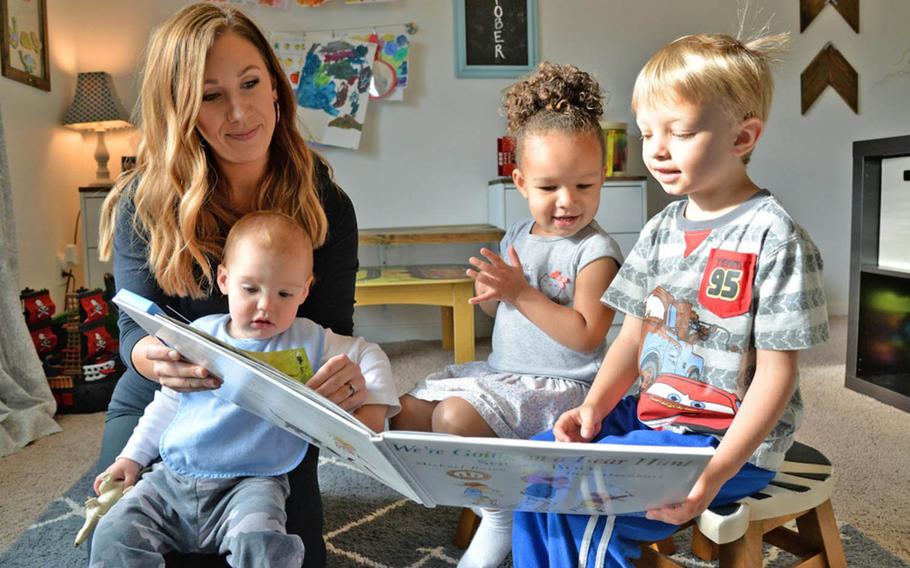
point(580, 424)
point(122, 469)
point(495, 279)
point(703, 492)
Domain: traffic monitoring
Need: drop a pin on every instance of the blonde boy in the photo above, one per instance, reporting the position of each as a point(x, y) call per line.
point(720, 292)
point(221, 484)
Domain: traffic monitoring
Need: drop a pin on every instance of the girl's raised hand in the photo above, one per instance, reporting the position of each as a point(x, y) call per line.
point(495, 279)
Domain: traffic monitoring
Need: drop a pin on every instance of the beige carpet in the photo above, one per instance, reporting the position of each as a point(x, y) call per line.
point(866, 441)
point(43, 471)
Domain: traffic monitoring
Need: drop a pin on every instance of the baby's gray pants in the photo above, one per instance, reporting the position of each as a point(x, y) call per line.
point(242, 517)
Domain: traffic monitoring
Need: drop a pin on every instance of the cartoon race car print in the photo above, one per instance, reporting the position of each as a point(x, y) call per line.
point(674, 400)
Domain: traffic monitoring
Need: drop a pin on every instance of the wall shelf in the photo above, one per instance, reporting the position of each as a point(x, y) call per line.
point(878, 332)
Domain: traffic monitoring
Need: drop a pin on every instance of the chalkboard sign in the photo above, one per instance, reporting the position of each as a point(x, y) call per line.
point(495, 38)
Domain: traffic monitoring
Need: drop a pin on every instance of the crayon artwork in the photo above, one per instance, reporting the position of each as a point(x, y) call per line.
point(394, 49)
point(331, 78)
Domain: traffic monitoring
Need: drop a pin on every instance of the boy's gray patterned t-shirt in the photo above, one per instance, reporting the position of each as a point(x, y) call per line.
point(709, 294)
point(550, 264)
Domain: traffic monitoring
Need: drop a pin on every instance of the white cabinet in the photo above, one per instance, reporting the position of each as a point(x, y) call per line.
point(90, 201)
point(623, 212)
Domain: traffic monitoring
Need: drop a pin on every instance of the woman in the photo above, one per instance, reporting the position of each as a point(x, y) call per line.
point(219, 140)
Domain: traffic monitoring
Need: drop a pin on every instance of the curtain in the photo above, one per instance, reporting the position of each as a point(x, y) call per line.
point(26, 404)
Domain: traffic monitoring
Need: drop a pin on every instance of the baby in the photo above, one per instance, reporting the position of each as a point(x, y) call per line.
point(221, 484)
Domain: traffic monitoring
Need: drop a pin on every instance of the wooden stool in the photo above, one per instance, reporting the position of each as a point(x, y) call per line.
point(467, 526)
point(734, 533)
point(446, 286)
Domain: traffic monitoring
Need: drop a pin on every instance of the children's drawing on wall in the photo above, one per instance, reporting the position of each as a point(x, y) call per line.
point(291, 53)
point(392, 48)
point(331, 78)
point(282, 4)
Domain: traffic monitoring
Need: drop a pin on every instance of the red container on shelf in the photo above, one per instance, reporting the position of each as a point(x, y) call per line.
point(505, 156)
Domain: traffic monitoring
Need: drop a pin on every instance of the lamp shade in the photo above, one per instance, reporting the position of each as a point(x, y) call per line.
point(95, 104)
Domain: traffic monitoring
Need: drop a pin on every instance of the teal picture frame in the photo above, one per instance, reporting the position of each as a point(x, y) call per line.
point(465, 69)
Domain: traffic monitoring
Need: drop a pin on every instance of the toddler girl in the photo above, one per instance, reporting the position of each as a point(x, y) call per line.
point(550, 327)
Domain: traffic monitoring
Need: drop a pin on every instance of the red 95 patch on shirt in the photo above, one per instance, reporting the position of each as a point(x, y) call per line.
point(726, 285)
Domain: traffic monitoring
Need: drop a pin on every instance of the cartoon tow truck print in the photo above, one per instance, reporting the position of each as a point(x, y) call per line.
point(672, 392)
point(670, 328)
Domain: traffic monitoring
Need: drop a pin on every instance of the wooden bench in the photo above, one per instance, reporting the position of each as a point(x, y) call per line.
point(446, 286)
point(431, 234)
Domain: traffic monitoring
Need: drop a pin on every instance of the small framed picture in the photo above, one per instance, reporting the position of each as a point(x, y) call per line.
point(495, 38)
point(23, 34)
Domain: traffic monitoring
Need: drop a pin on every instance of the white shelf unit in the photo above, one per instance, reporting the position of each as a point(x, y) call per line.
point(90, 201)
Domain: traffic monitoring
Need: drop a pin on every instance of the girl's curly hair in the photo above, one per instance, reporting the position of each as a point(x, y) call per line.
point(553, 97)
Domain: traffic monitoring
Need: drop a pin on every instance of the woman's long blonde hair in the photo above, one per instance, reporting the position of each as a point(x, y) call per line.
point(180, 209)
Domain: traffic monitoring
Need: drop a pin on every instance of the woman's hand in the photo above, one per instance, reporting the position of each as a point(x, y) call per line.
point(495, 279)
point(164, 365)
point(340, 381)
point(580, 424)
point(122, 469)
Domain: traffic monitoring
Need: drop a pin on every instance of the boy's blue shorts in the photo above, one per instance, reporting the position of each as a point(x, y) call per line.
point(560, 540)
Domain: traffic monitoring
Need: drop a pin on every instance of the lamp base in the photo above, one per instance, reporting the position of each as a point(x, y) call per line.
point(102, 175)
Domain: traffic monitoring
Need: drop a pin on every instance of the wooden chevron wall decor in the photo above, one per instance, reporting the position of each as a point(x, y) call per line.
point(809, 9)
point(829, 67)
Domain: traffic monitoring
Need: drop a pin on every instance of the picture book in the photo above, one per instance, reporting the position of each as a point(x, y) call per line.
point(438, 469)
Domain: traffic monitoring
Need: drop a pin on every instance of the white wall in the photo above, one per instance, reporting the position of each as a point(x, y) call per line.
point(427, 160)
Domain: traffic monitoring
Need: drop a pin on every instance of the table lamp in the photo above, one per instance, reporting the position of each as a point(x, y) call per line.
point(96, 107)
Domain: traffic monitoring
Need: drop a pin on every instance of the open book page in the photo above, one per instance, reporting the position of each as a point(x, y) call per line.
point(266, 392)
point(546, 476)
point(436, 469)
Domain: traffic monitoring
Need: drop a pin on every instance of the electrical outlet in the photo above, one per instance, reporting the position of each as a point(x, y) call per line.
point(71, 255)
point(62, 263)
point(68, 258)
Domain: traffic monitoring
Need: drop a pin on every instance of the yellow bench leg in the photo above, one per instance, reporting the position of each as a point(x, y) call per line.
point(463, 322)
point(448, 327)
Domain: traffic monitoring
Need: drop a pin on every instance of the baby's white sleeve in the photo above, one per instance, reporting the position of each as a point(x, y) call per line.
point(142, 447)
point(374, 364)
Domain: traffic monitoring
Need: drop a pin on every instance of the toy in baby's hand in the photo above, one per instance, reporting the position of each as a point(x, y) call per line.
point(110, 491)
